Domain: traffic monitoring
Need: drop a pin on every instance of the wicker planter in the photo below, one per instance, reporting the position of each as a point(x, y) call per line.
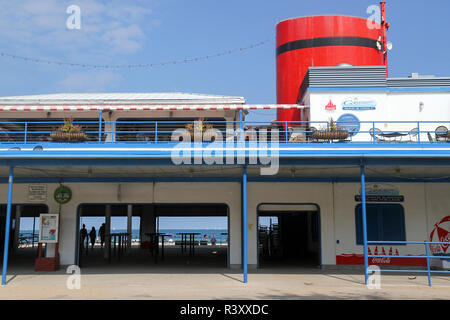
point(203, 127)
point(68, 136)
point(330, 135)
point(207, 136)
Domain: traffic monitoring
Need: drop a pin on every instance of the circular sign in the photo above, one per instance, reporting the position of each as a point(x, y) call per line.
point(62, 194)
point(350, 123)
point(440, 233)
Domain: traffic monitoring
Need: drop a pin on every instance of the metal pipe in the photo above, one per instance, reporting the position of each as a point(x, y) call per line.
point(244, 223)
point(26, 132)
point(34, 228)
point(100, 116)
point(129, 224)
point(364, 223)
point(428, 264)
point(7, 226)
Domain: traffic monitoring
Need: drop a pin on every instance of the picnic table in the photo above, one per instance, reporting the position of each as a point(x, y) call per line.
point(184, 236)
point(154, 244)
point(225, 234)
point(120, 239)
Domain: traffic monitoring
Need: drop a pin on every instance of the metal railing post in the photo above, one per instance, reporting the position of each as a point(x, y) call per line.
point(373, 132)
point(100, 116)
point(428, 263)
point(418, 132)
point(26, 132)
point(286, 131)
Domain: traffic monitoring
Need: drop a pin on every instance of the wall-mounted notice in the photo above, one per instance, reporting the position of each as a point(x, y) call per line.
point(381, 192)
point(48, 228)
point(37, 192)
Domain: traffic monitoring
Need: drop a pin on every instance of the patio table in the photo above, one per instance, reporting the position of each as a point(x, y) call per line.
point(191, 241)
point(393, 135)
point(120, 240)
point(154, 247)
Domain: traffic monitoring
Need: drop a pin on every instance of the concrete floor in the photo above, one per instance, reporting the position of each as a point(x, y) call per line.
point(181, 278)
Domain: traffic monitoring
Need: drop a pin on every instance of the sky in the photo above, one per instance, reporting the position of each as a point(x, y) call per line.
point(153, 31)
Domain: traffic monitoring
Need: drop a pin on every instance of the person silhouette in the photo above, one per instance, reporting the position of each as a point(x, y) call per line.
point(101, 233)
point(83, 236)
point(93, 235)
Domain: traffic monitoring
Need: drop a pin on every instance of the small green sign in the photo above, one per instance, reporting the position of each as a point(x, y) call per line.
point(62, 194)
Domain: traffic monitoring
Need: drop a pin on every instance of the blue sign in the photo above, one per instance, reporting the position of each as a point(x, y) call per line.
point(350, 123)
point(354, 104)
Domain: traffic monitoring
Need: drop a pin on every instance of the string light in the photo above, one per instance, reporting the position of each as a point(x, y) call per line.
point(133, 66)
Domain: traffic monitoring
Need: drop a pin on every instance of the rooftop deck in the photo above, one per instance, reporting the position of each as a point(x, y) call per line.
point(154, 142)
point(166, 131)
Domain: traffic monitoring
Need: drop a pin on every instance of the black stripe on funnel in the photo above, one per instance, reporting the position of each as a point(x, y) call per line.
point(327, 42)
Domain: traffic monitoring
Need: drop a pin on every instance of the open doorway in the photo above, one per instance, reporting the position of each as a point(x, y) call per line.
point(206, 244)
point(288, 235)
point(24, 233)
point(92, 231)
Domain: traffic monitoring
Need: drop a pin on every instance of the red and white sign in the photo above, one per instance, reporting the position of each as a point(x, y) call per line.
point(440, 233)
point(387, 257)
point(330, 107)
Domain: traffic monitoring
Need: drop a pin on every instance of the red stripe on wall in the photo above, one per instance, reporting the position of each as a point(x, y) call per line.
point(358, 259)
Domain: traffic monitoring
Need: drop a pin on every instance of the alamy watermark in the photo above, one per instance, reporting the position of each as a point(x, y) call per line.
point(374, 20)
point(73, 22)
point(73, 282)
point(374, 277)
point(260, 148)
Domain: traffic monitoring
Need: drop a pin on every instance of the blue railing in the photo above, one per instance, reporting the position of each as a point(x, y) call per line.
point(100, 131)
point(427, 256)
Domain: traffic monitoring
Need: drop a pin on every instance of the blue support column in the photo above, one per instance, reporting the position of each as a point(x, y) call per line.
point(364, 224)
point(244, 223)
point(7, 226)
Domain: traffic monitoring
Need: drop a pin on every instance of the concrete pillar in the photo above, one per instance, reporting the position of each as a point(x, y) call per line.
point(109, 128)
point(148, 224)
point(229, 128)
point(107, 230)
point(17, 227)
point(129, 224)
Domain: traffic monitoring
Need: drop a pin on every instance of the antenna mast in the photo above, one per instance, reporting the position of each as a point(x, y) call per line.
point(384, 27)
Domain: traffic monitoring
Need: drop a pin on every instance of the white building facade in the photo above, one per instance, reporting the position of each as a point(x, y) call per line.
point(406, 167)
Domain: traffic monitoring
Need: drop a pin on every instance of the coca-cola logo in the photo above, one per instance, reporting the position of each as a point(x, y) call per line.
point(381, 260)
point(441, 233)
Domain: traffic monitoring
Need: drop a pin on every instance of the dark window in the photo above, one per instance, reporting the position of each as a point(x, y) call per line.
point(385, 222)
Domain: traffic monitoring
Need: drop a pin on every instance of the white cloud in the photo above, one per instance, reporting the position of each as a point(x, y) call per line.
point(95, 81)
point(128, 39)
point(111, 27)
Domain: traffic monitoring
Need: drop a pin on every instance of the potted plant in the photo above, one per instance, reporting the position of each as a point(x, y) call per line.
point(68, 132)
point(199, 126)
point(331, 132)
